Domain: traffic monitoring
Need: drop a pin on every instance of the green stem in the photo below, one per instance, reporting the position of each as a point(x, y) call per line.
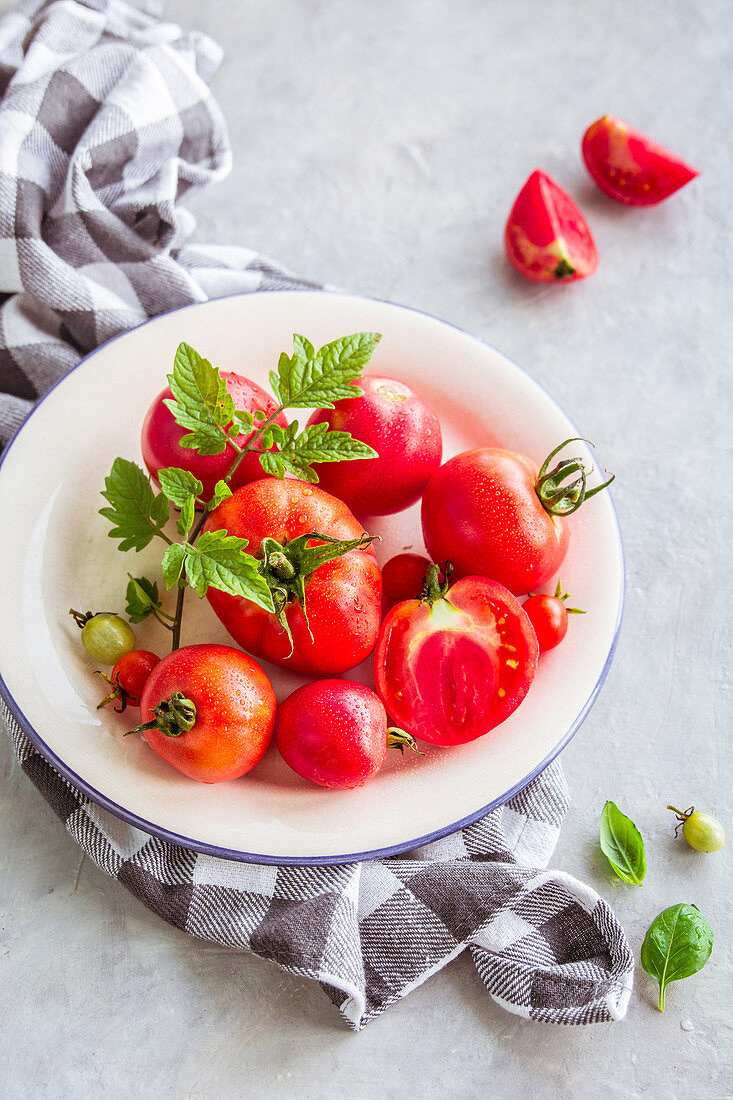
point(242, 452)
point(176, 640)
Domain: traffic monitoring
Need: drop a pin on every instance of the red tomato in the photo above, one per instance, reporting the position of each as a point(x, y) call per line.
point(129, 677)
point(218, 707)
point(404, 432)
point(161, 438)
point(403, 578)
point(547, 238)
point(630, 167)
point(452, 667)
point(333, 732)
point(549, 617)
point(342, 596)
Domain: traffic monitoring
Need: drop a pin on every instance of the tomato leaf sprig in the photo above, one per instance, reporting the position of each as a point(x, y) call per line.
point(203, 406)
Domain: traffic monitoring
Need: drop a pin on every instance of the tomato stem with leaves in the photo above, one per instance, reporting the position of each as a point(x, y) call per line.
point(202, 404)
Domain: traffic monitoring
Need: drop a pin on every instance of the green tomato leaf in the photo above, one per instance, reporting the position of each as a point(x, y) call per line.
point(142, 598)
point(297, 451)
point(172, 563)
point(678, 943)
point(184, 523)
point(200, 402)
point(136, 512)
point(221, 492)
point(310, 379)
point(218, 561)
point(243, 422)
point(179, 485)
point(622, 845)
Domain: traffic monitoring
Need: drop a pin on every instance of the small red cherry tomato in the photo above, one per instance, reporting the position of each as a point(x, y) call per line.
point(404, 432)
point(333, 733)
point(493, 512)
point(630, 167)
point(451, 667)
point(549, 617)
point(547, 239)
point(209, 710)
point(129, 677)
point(161, 437)
point(403, 578)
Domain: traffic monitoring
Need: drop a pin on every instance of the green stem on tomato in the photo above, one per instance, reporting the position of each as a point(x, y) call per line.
point(176, 640)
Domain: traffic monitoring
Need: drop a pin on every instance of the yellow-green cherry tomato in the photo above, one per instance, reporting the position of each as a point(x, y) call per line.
point(105, 636)
point(701, 831)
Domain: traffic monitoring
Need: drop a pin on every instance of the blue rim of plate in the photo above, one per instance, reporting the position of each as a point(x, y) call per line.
point(237, 855)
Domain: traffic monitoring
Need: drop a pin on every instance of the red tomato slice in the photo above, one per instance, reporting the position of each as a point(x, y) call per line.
point(547, 238)
point(630, 167)
point(450, 670)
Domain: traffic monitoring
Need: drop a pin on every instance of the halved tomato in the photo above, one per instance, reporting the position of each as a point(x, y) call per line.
point(547, 238)
point(629, 166)
point(450, 667)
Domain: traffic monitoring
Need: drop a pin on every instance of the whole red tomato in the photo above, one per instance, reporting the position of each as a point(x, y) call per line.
point(209, 711)
point(333, 733)
point(161, 437)
point(629, 166)
point(495, 513)
point(403, 578)
point(549, 617)
point(342, 596)
point(451, 667)
point(128, 678)
point(404, 432)
point(547, 239)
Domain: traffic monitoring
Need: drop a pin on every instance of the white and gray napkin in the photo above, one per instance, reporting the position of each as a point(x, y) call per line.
point(106, 120)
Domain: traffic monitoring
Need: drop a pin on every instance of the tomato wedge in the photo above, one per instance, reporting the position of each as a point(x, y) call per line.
point(451, 667)
point(629, 166)
point(547, 238)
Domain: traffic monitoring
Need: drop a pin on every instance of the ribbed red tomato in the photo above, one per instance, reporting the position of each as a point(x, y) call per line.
point(405, 433)
point(211, 712)
point(546, 238)
point(161, 436)
point(342, 596)
point(451, 667)
point(403, 578)
point(629, 166)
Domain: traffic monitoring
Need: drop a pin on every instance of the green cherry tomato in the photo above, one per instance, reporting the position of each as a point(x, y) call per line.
point(106, 637)
point(701, 831)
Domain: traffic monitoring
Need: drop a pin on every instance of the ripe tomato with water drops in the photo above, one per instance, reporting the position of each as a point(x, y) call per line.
point(546, 238)
point(451, 667)
point(209, 710)
point(630, 167)
point(401, 428)
point(161, 438)
point(335, 733)
point(327, 590)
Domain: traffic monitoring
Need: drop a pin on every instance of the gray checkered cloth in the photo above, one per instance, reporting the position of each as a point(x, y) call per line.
point(106, 120)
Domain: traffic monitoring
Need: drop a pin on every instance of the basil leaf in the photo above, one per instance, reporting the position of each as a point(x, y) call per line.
point(678, 943)
point(622, 845)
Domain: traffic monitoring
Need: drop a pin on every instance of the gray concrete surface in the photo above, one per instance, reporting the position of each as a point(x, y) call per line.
point(378, 146)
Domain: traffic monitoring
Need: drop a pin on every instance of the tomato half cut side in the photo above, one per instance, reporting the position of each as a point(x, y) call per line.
point(546, 238)
point(453, 666)
point(630, 167)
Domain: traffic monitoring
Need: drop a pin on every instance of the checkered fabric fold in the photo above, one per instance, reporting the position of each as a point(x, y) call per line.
point(106, 120)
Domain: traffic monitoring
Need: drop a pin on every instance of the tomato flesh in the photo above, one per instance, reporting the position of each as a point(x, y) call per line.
point(451, 671)
point(547, 239)
point(629, 167)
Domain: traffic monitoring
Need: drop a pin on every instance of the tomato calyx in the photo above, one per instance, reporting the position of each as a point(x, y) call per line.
point(564, 270)
point(81, 618)
point(401, 739)
point(173, 716)
point(117, 692)
point(286, 566)
point(559, 496)
point(558, 594)
point(682, 816)
point(435, 588)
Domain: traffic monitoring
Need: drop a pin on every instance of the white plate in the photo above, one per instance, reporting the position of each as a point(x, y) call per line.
point(56, 554)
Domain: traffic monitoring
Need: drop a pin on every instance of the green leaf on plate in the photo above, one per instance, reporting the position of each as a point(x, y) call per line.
point(136, 513)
